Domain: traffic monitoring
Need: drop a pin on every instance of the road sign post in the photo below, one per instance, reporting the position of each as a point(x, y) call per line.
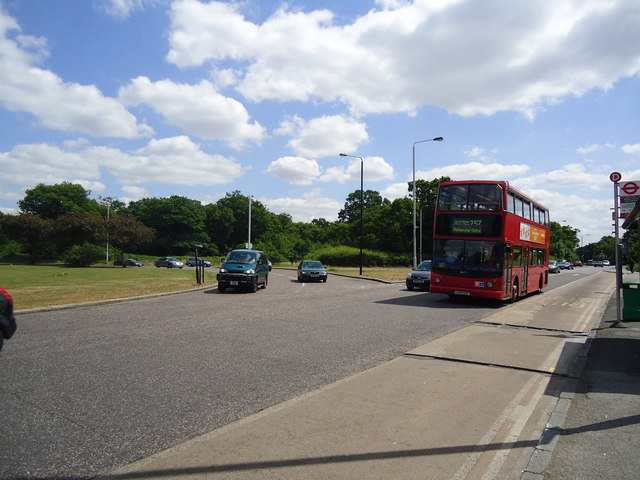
point(615, 177)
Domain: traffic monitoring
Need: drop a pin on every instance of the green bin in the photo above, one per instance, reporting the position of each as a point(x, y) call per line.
point(631, 299)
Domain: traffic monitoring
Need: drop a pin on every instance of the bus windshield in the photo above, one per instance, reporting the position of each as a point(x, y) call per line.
point(468, 257)
point(478, 197)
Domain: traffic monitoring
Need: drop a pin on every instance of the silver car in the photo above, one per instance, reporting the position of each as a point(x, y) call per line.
point(168, 262)
point(420, 277)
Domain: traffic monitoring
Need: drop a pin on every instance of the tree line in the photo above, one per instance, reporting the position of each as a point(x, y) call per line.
point(61, 221)
point(55, 219)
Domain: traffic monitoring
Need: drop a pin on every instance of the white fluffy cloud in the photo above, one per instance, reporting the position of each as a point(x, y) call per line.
point(324, 136)
point(374, 169)
point(57, 105)
point(174, 161)
point(199, 110)
point(310, 206)
point(294, 170)
point(517, 58)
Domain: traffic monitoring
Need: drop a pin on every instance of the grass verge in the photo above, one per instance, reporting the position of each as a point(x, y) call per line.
point(35, 286)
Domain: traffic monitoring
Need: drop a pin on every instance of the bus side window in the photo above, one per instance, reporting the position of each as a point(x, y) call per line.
point(517, 256)
point(510, 203)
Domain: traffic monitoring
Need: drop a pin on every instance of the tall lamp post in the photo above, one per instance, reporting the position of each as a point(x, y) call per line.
point(249, 245)
point(361, 201)
point(436, 139)
point(107, 203)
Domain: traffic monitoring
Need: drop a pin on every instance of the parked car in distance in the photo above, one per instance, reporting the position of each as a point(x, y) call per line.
point(598, 263)
point(420, 277)
point(605, 263)
point(554, 267)
point(168, 262)
point(312, 270)
point(248, 269)
point(564, 265)
point(577, 263)
point(590, 263)
point(191, 262)
point(129, 262)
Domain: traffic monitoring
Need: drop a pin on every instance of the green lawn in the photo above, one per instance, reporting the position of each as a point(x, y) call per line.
point(38, 285)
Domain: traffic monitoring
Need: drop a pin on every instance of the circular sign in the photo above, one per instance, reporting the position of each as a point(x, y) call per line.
point(615, 177)
point(630, 188)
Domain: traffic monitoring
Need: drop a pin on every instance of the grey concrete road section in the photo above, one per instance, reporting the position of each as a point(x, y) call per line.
point(471, 405)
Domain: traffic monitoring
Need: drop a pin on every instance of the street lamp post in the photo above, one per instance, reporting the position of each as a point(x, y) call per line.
point(249, 227)
point(361, 201)
point(107, 203)
point(436, 139)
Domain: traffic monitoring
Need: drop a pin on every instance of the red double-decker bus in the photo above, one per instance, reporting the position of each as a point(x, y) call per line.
point(490, 240)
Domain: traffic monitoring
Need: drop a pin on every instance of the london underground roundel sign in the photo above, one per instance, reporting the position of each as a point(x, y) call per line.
point(630, 188)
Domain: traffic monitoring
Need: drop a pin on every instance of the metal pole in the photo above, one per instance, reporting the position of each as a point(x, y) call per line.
point(361, 201)
point(421, 235)
point(415, 264)
point(615, 178)
point(249, 229)
point(361, 209)
point(436, 139)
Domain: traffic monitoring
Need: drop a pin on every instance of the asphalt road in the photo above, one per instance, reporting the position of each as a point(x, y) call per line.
point(85, 390)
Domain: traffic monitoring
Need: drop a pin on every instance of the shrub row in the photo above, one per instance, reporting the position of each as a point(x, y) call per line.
point(342, 256)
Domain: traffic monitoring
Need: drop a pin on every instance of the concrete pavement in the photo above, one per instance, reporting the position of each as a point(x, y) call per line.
point(484, 402)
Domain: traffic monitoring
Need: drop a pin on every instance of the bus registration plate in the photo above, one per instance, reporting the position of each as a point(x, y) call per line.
point(461, 292)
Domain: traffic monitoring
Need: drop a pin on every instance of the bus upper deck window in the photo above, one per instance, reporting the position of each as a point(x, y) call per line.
point(487, 198)
point(453, 198)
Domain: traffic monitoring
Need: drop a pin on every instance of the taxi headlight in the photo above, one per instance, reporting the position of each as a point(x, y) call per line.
point(250, 271)
point(223, 270)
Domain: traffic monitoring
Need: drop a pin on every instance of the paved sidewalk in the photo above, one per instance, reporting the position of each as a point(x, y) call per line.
point(600, 436)
point(473, 404)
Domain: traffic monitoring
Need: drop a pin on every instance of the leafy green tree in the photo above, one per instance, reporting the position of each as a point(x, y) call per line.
point(128, 234)
point(563, 242)
point(393, 225)
point(75, 228)
point(228, 221)
point(179, 223)
point(33, 232)
point(51, 201)
point(372, 203)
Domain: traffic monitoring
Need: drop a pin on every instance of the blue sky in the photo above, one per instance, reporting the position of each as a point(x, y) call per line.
point(152, 98)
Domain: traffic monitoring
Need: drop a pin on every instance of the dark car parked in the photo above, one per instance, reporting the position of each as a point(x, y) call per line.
point(8, 323)
point(129, 262)
point(420, 277)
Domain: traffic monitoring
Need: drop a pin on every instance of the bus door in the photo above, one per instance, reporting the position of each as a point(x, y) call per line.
point(524, 281)
point(507, 271)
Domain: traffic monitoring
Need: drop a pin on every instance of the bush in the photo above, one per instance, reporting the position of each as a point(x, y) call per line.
point(84, 255)
point(342, 256)
point(10, 250)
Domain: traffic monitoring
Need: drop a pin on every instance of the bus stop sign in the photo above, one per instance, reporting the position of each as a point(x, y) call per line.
point(629, 188)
